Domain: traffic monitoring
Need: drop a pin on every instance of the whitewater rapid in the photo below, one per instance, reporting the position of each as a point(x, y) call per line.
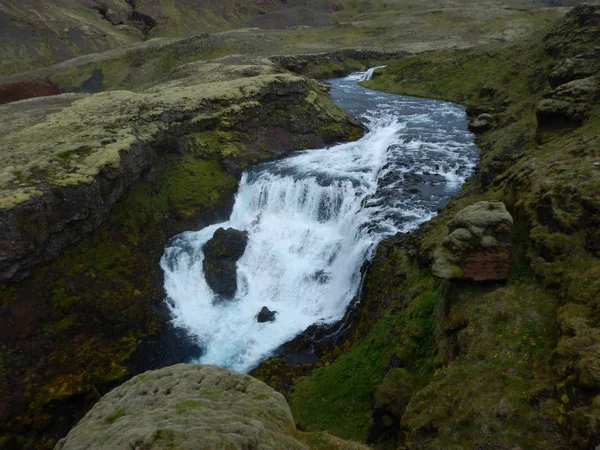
point(314, 217)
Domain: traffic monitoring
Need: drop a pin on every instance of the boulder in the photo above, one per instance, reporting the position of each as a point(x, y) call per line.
point(265, 315)
point(482, 123)
point(478, 244)
point(555, 113)
point(197, 407)
point(187, 407)
point(221, 254)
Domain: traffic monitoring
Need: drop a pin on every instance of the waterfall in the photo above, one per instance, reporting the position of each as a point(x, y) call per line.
point(366, 76)
point(312, 220)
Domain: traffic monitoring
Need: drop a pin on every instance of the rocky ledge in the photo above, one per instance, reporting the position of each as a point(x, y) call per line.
point(478, 246)
point(66, 160)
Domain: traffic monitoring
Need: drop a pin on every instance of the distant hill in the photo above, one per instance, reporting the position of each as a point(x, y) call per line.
point(39, 33)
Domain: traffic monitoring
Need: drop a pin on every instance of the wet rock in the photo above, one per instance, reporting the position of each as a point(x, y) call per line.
point(266, 315)
point(478, 245)
point(482, 123)
point(221, 254)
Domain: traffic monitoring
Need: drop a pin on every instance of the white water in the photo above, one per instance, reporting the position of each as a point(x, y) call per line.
point(313, 219)
point(366, 76)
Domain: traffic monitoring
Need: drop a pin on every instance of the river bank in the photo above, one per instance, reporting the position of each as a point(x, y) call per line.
point(455, 364)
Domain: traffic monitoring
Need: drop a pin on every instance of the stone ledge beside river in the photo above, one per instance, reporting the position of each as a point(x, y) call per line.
point(66, 160)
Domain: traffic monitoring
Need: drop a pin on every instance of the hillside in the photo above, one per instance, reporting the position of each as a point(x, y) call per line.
point(37, 34)
point(437, 363)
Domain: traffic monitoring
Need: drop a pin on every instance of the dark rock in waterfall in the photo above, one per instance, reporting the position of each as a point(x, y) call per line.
point(265, 315)
point(221, 254)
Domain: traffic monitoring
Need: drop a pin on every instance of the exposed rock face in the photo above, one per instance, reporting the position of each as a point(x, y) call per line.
point(221, 254)
point(187, 407)
point(478, 246)
point(60, 177)
point(265, 315)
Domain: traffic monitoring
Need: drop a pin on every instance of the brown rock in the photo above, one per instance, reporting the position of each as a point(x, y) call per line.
point(478, 245)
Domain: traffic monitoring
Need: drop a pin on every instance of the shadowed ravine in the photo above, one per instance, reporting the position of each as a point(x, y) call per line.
point(313, 218)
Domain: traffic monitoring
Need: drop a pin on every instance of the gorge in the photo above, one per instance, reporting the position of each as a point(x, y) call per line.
point(314, 218)
point(452, 279)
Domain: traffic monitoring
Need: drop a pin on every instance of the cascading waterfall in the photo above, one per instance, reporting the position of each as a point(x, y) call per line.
point(312, 220)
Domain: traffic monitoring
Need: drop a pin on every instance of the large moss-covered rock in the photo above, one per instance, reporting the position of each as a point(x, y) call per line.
point(187, 407)
point(195, 407)
point(478, 246)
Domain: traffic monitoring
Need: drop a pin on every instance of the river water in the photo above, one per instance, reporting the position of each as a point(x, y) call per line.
point(314, 217)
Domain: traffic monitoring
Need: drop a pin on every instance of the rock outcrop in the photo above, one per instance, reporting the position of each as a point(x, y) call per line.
point(478, 245)
point(265, 315)
point(63, 168)
point(196, 407)
point(221, 254)
point(482, 123)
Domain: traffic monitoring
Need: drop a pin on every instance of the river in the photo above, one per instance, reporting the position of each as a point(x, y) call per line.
point(314, 217)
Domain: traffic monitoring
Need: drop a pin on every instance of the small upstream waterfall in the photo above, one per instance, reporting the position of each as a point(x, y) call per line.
point(314, 217)
point(366, 76)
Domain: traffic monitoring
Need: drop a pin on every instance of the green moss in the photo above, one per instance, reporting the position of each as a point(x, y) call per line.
point(182, 407)
point(337, 397)
point(117, 415)
point(196, 184)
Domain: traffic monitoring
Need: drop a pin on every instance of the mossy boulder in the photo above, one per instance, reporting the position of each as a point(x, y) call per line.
point(478, 246)
point(196, 407)
point(221, 254)
point(187, 407)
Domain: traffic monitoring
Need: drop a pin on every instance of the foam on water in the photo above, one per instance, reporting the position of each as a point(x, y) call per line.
point(313, 218)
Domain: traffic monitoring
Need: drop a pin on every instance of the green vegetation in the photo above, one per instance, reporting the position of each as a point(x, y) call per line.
point(494, 364)
point(337, 397)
